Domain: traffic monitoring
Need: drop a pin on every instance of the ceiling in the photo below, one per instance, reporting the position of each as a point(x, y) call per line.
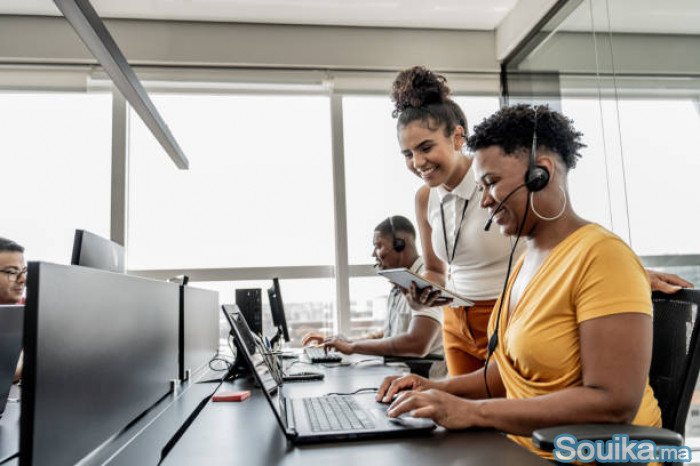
point(440, 14)
point(637, 16)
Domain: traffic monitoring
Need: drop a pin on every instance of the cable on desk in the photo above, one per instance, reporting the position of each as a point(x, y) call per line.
point(359, 390)
point(298, 361)
point(227, 363)
point(227, 368)
point(354, 363)
point(231, 374)
point(330, 365)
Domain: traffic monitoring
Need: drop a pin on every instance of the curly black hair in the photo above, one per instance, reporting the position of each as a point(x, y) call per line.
point(420, 94)
point(7, 245)
point(512, 129)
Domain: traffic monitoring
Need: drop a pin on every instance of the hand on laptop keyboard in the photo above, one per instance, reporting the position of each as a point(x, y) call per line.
point(318, 354)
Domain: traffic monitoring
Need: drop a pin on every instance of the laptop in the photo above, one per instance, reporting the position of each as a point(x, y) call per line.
point(319, 418)
point(11, 330)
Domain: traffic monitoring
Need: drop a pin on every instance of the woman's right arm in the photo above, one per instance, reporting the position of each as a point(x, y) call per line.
point(472, 385)
point(467, 386)
point(434, 268)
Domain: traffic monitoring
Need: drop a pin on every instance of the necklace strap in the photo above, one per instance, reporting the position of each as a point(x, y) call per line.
point(451, 258)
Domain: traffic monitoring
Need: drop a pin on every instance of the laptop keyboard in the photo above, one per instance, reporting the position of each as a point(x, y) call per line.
point(334, 413)
point(319, 355)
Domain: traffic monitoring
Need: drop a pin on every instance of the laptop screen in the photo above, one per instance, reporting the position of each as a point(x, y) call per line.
point(264, 365)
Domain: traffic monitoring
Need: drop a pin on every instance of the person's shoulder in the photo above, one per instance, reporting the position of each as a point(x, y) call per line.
point(422, 198)
point(594, 236)
point(603, 245)
point(423, 193)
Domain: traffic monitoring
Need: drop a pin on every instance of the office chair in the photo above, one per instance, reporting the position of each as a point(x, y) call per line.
point(675, 362)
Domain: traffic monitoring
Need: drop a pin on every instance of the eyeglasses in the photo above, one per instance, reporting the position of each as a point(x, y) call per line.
point(13, 275)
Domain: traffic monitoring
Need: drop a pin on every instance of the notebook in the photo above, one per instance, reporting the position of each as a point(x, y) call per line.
point(319, 418)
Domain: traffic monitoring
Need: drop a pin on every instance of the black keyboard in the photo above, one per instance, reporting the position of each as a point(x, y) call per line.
point(336, 413)
point(302, 376)
point(316, 354)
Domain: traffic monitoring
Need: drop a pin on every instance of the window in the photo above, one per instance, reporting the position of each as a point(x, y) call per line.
point(258, 192)
point(308, 304)
point(378, 185)
point(659, 141)
point(368, 305)
point(377, 181)
point(56, 162)
point(588, 183)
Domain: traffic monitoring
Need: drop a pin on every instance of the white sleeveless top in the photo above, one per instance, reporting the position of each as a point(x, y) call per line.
point(481, 258)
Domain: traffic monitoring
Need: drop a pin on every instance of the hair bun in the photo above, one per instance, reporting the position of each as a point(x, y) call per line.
point(417, 87)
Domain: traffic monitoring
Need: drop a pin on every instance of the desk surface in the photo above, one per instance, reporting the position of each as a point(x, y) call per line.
point(248, 433)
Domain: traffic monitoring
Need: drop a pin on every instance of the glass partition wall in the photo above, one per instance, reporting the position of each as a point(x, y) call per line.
point(628, 73)
point(281, 184)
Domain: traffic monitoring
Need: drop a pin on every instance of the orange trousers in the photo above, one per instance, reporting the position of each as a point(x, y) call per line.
point(464, 336)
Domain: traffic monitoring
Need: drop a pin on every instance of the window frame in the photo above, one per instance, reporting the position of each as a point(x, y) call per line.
point(335, 84)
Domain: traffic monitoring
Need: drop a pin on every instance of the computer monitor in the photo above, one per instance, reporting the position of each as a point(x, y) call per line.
point(277, 309)
point(240, 365)
point(91, 250)
point(100, 349)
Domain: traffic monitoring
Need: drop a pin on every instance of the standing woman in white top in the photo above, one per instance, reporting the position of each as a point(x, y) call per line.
point(458, 252)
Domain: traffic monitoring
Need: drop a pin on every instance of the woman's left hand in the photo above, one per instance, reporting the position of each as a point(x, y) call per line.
point(446, 410)
point(666, 282)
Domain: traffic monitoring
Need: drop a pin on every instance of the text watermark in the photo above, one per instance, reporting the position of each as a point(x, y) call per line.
point(620, 449)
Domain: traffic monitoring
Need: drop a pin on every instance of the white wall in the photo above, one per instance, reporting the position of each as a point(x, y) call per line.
point(27, 39)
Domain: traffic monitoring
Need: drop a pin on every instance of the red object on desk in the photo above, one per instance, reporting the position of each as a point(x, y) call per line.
point(231, 396)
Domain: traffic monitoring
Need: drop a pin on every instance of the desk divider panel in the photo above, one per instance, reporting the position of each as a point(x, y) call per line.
point(100, 349)
point(199, 328)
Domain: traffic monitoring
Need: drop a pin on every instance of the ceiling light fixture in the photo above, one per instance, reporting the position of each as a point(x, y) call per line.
point(92, 31)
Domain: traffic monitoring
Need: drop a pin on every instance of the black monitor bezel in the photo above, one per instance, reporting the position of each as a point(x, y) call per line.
point(96, 248)
point(279, 319)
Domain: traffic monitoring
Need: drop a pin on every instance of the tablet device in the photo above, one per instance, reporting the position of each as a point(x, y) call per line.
point(403, 277)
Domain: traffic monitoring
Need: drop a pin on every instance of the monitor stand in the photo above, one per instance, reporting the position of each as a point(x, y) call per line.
point(239, 368)
point(275, 341)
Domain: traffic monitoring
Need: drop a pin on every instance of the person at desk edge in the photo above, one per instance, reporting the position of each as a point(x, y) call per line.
point(406, 332)
point(458, 253)
point(13, 279)
point(573, 323)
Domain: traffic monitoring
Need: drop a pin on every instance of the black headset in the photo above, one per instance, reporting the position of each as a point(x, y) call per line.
point(536, 178)
point(397, 243)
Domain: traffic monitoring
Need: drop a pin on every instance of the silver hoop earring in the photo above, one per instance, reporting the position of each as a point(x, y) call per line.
point(549, 219)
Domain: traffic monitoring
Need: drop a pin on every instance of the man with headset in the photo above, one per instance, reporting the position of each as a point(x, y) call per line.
point(406, 332)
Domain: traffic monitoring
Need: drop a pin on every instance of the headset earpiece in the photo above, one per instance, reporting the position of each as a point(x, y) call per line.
point(537, 176)
point(398, 243)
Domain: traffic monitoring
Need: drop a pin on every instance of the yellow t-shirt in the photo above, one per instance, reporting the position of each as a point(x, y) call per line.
point(592, 273)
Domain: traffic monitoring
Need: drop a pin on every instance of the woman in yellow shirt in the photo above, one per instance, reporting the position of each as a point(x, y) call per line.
point(574, 326)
